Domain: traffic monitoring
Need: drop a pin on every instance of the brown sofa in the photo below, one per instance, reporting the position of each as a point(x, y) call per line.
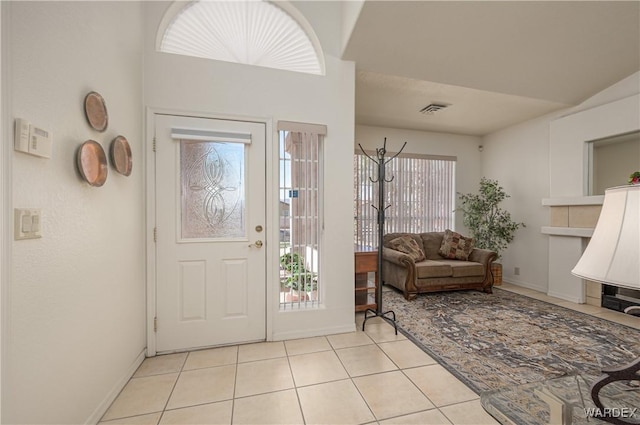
point(435, 273)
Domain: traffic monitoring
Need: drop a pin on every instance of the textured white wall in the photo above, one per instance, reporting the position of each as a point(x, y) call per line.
point(532, 164)
point(518, 157)
point(569, 136)
point(182, 83)
point(568, 177)
point(77, 295)
point(465, 148)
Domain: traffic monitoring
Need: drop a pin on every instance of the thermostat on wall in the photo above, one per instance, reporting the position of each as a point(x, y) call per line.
point(32, 140)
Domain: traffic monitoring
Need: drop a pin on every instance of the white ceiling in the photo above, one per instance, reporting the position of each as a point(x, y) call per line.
point(496, 63)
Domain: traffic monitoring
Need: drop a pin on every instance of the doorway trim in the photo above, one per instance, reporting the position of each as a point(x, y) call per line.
point(271, 234)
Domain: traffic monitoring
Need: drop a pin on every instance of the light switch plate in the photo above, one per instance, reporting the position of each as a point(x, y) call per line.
point(27, 223)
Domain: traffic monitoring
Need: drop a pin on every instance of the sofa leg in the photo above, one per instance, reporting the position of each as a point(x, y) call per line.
point(410, 296)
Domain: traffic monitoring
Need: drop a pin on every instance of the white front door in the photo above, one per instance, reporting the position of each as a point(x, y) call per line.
point(210, 218)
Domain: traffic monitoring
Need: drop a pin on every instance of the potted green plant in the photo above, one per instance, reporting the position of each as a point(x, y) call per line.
point(490, 226)
point(297, 278)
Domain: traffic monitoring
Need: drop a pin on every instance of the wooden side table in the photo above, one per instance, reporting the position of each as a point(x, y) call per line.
point(366, 260)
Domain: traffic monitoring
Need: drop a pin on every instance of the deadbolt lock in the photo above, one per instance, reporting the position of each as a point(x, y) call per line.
point(258, 228)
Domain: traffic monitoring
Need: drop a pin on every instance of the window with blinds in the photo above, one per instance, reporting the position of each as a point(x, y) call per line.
point(421, 196)
point(300, 193)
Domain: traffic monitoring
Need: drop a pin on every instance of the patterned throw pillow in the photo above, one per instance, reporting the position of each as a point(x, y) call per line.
point(455, 246)
point(409, 246)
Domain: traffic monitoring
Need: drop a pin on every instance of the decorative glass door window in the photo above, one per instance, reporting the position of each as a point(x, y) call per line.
point(212, 190)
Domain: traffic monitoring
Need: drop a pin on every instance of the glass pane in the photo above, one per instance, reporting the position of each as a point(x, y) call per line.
point(212, 189)
point(300, 219)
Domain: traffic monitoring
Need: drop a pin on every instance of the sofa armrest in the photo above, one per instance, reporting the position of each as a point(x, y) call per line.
point(399, 270)
point(397, 257)
point(483, 256)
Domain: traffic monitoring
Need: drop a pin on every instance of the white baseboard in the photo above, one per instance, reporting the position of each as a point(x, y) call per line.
point(543, 291)
point(281, 336)
point(99, 412)
point(524, 284)
point(566, 297)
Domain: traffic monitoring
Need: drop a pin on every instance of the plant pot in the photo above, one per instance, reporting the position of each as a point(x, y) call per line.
point(295, 296)
point(496, 272)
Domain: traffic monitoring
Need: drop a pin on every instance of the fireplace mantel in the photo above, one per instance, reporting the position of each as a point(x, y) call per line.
point(573, 201)
point(573, 216)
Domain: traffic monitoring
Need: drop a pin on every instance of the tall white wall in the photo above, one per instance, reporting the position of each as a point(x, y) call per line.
point(350, 14)
point(77, 295)
point(545, 157)
point(465, 148)
point(518, 158)
point(202, 86)
point(568, 168)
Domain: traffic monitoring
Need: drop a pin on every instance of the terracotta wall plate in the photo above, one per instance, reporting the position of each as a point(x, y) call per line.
point(96, 111)
point(120, 153)
point(92, 163)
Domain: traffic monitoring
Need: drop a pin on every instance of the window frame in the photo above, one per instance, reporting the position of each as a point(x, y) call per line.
point(313, 166)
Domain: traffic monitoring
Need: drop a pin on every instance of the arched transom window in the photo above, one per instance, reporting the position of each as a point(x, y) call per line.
point(255, 32)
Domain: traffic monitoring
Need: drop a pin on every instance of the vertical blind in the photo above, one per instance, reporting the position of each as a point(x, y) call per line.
point(421, 196)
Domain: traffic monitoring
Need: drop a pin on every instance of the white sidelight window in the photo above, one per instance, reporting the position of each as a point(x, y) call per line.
point(421, 196)
point(300, 196)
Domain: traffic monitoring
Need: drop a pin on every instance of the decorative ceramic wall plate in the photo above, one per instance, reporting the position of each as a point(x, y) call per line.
point(120, 153)
point(96, 111)
point(92, 163)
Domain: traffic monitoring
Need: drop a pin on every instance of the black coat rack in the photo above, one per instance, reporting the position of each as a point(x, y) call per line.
point(388, 316)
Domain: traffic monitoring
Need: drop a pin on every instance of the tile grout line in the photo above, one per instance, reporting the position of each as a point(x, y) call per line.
point(235, 382)
point(377, 343)
point(435, 407)
point(295, 386)
point(164, 409)
point(351, 378)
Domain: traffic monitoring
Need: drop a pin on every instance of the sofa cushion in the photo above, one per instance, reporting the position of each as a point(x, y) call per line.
point(431, 242)
point(455, 246)
point(429, 268)
point(409, 246)
point(464, 268)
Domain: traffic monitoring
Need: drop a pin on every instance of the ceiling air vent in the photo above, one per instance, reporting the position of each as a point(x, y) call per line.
point(433, 108)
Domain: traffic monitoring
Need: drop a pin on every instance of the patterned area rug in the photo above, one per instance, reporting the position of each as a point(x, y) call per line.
point(489, 341)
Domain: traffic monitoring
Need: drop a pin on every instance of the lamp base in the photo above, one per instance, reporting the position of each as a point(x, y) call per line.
point(624, 373)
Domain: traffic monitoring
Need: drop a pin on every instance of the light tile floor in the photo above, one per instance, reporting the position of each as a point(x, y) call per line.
point(354, 378)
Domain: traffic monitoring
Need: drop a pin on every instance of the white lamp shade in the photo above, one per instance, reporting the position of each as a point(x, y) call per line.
point(613, 254)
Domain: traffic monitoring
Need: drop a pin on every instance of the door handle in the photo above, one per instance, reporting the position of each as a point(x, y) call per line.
point(257, 244)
